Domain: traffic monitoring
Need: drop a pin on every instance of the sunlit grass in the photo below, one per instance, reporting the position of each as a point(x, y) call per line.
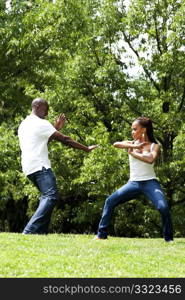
point(79, 256)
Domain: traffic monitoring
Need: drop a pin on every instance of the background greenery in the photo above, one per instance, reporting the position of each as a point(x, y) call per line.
point(81, 56)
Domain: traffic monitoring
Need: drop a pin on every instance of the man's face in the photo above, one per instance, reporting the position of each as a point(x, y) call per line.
point(42, 110)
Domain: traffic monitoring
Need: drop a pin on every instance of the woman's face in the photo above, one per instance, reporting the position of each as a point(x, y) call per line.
point(137, 130)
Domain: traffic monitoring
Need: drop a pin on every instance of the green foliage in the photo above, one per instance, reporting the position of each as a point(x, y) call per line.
point(135, 219)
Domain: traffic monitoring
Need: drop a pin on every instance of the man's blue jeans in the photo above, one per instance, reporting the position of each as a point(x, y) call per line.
point(152, 190)
point(45, 181)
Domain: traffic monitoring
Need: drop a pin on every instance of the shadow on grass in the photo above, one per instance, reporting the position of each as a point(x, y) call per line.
point(179, 242)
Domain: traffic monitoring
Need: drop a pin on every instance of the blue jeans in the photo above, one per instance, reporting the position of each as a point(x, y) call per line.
point(45, 181)
point(152, 190)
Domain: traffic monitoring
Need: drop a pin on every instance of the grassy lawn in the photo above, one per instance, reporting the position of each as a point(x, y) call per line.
point(79, 256)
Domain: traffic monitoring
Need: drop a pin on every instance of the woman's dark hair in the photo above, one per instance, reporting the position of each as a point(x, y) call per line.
point(147, 123)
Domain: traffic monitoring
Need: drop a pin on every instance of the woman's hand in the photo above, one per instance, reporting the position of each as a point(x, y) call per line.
point(140, 145)
point(130, 150)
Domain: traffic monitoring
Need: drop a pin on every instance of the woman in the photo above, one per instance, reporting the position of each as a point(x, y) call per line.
point(143, 151)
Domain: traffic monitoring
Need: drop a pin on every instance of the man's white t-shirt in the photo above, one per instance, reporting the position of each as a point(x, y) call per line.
point(34, 134)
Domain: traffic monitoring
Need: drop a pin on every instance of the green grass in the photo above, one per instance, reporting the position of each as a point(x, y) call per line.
point(79, 256)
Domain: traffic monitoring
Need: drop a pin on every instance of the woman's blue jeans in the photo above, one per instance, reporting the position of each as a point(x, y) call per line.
point(45, 181)
point(152, 190)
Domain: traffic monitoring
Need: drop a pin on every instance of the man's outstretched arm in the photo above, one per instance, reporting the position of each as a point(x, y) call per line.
point(68, 141)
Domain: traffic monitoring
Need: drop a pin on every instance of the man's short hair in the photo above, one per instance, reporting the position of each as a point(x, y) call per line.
point(38, 102)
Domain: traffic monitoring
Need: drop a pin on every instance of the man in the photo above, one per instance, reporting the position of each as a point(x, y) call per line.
point(34, 133)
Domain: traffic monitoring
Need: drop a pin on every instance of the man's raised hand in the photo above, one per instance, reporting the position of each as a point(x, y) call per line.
point(60, 121)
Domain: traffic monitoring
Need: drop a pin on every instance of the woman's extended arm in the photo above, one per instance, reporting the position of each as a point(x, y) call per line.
point(146, 157)
point(128, 144)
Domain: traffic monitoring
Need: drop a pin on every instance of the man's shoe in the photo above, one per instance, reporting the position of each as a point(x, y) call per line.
point(99, 238)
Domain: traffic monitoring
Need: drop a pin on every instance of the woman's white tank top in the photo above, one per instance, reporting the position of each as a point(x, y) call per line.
point(140, 170)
